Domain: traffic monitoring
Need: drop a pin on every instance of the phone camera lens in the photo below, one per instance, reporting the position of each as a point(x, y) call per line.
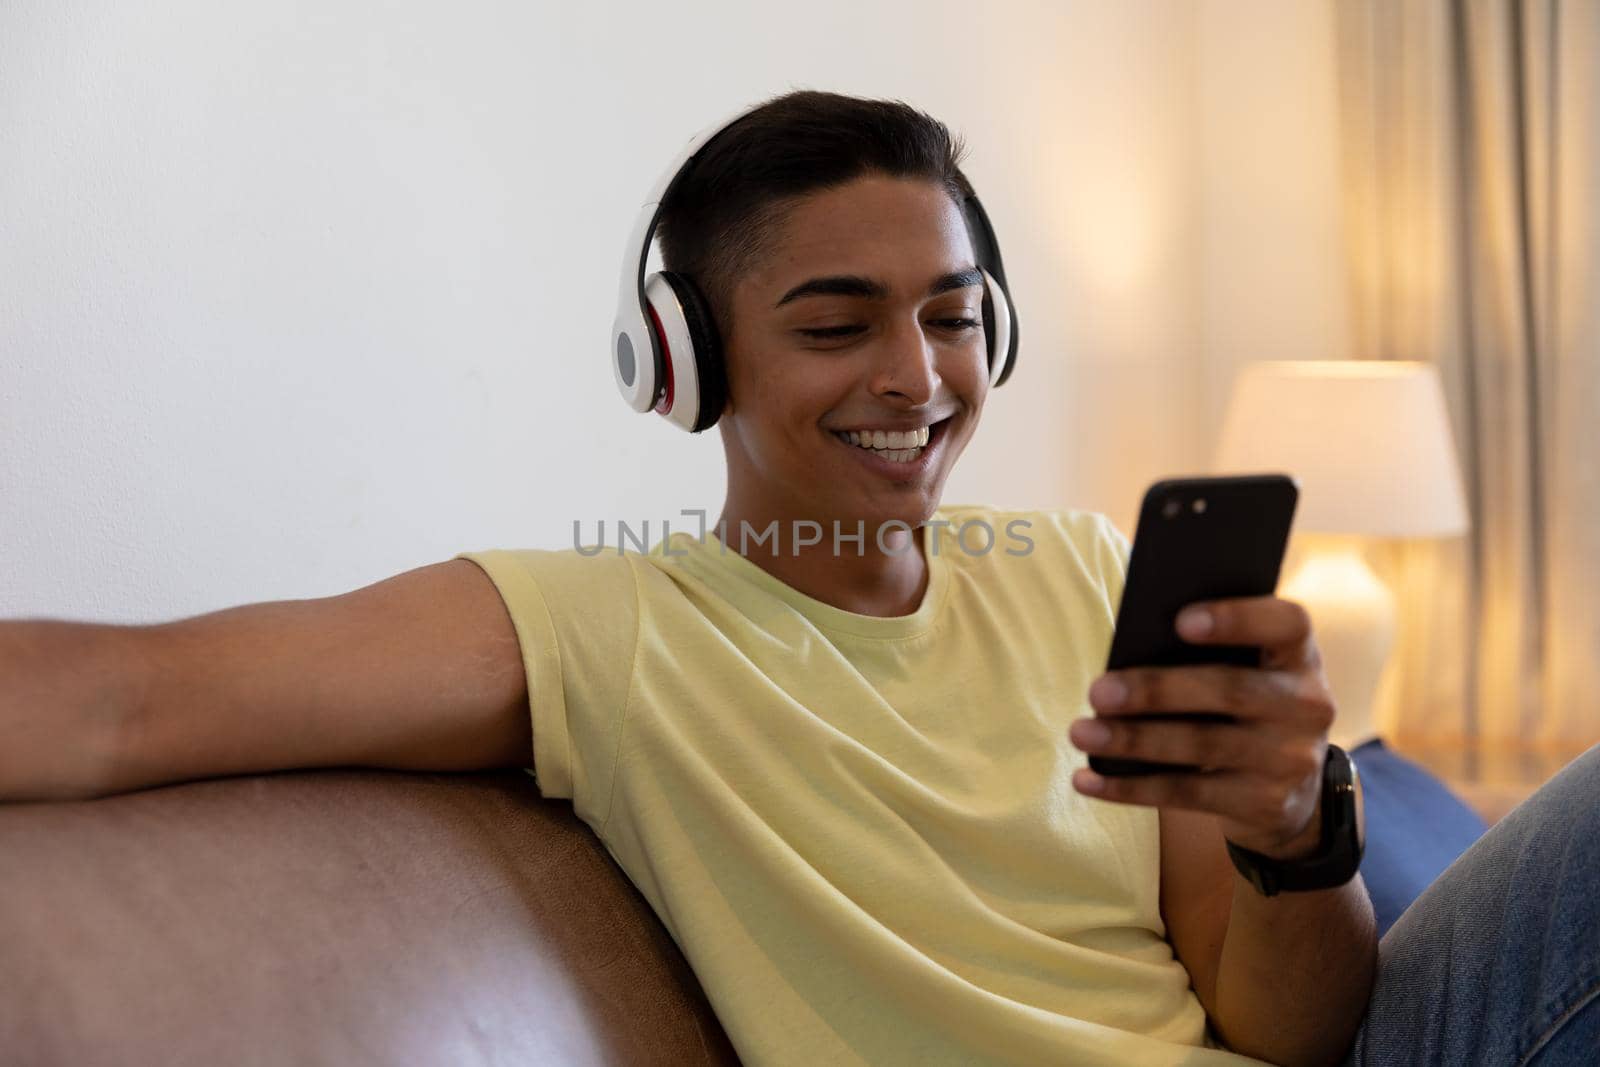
point(1171, 508)
point(1200, 505)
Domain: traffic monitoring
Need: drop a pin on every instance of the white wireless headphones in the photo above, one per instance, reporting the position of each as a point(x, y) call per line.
point(665, 351)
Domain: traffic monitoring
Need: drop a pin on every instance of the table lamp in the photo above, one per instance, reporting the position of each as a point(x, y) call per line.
point(1369, 442)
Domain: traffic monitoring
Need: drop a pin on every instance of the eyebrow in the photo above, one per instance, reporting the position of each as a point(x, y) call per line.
point(870, 289)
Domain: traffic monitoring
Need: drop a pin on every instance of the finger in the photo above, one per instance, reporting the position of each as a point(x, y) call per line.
point(1297, 698)
point(1225, 793)
point(1256, 812)
point(1269, 623)
point(1208, 746)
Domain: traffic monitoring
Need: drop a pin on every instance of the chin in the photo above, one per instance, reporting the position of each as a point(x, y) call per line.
point(917, 508)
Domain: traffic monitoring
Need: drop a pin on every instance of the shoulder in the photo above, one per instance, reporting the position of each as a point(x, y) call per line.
point(1074, 536)
point(1073, 523)
point(589, 581)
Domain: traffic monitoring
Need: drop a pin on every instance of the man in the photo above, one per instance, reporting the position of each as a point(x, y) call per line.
point(851, 783)
point(849, 304)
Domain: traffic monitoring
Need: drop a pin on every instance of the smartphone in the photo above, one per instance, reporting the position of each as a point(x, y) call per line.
point(1198, 539)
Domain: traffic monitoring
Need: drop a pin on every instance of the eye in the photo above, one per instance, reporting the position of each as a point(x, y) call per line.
point(837, 333)
point(826, 333)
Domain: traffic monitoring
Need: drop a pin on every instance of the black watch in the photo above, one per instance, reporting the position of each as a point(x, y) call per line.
point(1343, 836)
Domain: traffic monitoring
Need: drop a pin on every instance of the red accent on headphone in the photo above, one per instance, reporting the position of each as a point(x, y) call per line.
point(666, 401)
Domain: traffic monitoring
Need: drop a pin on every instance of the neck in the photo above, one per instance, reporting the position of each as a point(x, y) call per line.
point(873, 582)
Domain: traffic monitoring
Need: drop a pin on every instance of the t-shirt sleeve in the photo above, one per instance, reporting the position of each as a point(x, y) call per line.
point(1111, 557)
point(577, 622)
point(1092, 549)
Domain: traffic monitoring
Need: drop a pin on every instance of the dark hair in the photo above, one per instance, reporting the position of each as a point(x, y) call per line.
point(725, 210)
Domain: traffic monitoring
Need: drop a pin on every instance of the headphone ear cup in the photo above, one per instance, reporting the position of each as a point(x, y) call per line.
point(679, 388)
point(675, 316)
point(999, 329)
point(706, 351)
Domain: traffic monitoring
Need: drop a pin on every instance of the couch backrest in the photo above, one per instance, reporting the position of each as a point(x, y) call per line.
point(333, 917)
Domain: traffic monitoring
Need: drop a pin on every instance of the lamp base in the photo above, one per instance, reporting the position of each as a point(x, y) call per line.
point(1353, 622)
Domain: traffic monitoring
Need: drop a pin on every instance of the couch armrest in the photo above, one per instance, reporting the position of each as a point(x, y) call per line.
point(333, 917)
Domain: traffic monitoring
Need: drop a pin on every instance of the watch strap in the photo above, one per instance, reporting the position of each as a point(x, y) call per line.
point(1338, 854)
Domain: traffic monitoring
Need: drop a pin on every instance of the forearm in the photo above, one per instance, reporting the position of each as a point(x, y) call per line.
point(69, 696)
point(1296, 971)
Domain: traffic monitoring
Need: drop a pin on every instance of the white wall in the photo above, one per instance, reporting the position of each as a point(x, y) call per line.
point(1271, 275)
point(297, 296)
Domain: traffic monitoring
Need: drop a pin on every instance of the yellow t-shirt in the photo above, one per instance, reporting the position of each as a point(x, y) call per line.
point(862, 831)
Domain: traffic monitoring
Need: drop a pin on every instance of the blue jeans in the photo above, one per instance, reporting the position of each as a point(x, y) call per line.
point(1498, 961)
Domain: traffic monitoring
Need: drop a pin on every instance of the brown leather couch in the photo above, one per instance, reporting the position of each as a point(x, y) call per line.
point(333, 917)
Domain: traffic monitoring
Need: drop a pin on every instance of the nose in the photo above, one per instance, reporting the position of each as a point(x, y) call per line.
point(904, 366)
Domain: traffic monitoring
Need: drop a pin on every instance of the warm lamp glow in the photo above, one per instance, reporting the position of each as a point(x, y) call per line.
point(1353, 616)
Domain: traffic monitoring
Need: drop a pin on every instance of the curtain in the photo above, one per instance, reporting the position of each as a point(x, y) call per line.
point(1471, 152)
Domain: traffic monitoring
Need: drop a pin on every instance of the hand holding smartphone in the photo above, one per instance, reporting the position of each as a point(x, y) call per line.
point(1197, 539)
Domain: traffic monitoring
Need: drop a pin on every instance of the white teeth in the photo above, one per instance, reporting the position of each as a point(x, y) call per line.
point(887, 438)
point(895, 445)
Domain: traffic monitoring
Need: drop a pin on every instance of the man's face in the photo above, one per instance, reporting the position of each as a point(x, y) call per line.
point(866, 317)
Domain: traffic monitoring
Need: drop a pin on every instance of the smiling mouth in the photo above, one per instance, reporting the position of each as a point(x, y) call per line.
point(901, 448)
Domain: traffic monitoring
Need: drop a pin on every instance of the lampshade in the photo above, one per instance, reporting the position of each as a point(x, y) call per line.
point(1368, 441)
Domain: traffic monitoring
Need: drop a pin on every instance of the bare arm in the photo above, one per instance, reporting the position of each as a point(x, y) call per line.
point(421, 671)
point(1284, 978)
